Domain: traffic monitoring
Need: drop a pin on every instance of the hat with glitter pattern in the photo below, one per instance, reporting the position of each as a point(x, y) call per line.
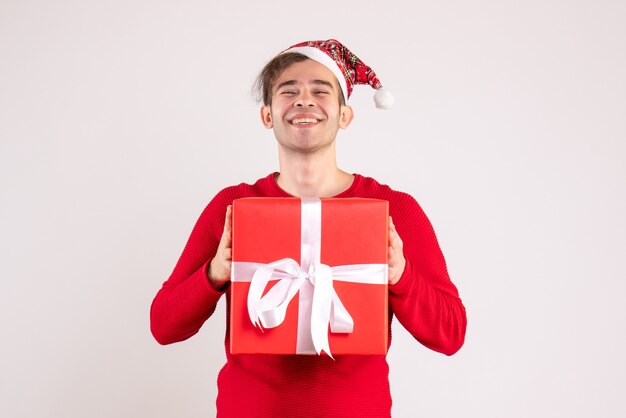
point(346, 66)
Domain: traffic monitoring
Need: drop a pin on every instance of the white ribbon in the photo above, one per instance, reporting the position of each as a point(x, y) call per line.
point(325, 309)
point(268, 311)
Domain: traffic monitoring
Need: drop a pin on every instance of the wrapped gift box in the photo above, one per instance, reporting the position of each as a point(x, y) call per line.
point(325, 261)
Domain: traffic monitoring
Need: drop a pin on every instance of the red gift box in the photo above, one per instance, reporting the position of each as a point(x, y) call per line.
point(309, 275)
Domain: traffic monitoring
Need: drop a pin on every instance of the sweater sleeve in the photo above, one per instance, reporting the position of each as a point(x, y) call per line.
point(186, 300)
point(425, 300)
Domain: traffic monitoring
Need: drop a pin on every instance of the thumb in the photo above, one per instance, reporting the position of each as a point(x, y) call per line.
point(226, 236)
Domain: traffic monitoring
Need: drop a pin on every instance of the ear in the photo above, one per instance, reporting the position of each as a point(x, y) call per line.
point(346, 114)
point(266, 116)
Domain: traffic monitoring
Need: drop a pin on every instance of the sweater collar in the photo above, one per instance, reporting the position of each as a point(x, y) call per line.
point(275, 189)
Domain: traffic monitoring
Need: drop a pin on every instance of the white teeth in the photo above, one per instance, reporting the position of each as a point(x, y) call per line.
point(303, 120)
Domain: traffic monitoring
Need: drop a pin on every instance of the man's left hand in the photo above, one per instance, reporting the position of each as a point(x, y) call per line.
point(395, 257)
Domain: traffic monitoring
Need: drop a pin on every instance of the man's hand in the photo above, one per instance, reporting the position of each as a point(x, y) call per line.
point(219, 269)
point(395, 257)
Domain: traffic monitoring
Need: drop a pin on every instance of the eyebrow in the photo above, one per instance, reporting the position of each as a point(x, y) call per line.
point(294, 82)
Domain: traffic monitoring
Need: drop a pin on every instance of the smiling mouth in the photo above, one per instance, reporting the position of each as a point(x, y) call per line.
point(304, 121)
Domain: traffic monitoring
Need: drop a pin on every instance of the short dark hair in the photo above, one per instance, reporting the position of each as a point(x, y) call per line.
point(266, 79)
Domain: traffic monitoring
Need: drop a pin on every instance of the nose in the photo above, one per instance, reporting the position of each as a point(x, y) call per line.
point(305, 99)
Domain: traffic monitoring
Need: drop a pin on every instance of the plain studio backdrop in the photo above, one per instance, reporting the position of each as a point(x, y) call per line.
point(119, 121)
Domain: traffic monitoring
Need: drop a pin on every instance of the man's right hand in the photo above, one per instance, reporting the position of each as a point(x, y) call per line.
point(219, 269)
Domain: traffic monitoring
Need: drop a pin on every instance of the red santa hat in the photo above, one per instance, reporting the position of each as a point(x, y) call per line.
point(346, 66)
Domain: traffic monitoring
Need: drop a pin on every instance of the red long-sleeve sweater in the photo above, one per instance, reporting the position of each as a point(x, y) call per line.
point(424, 300)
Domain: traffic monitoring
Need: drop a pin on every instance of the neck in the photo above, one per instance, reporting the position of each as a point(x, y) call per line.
point(312, 175)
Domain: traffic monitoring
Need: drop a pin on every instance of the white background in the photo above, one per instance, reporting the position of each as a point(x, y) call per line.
point(119, 120)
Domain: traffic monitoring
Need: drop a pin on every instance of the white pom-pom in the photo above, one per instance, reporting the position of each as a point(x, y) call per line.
point(383, 99)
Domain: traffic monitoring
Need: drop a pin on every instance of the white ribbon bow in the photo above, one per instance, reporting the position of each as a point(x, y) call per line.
point(269, 311)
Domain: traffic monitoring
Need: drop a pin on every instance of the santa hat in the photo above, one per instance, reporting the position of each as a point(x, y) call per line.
point(346, 66)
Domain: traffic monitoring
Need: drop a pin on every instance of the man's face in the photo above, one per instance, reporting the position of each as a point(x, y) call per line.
point(305, 112)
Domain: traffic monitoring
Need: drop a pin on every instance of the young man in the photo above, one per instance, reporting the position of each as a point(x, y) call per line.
point(304, 91)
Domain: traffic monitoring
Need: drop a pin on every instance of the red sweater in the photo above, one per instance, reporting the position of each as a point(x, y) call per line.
point(424, 300)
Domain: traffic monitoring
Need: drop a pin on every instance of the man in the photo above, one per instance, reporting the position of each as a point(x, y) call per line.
point(304, 91)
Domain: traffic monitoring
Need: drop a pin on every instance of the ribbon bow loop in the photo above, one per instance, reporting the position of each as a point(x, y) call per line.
point(269, 310)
